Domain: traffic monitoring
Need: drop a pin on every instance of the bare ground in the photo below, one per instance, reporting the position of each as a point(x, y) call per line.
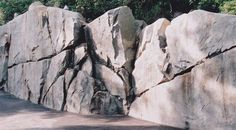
point(16, 114)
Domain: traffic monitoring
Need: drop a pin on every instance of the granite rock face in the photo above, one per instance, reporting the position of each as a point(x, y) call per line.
point(197, 88)
point(4, 47)
point(53, 31)
point(46, 59)
point(179, 73)
point(111, 38)
point(47, 52)
point(151, 56)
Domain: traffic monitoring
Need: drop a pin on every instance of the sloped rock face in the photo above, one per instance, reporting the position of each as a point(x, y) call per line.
point(4, 47)
point(197, 90)
point(179, 73)
point(46, 54)
point(53, 31)
point(111, 39)
point(51, 62)
point(151, 56)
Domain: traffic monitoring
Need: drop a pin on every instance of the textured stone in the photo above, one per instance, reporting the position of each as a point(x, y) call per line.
point(26, 80)
point(104, 103)
point(80, 94)
point(111, 80)
point(54, 97)
point(57, 68)
point(200, 90)
point(54, 29)
point(163, 104)
point(150, 56)
point(4, 46)
point(113, 37)
point(195, 36)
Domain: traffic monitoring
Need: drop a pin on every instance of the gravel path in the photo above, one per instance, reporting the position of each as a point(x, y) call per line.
point(16, 114)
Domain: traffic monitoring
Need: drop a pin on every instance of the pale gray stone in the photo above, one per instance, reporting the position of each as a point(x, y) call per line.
point(26, 80)
point(113, 36)
point(104, 103)
point(80, 93)
point(198, 35)
point(54, 30)
point(112, 81)
point(150, 56)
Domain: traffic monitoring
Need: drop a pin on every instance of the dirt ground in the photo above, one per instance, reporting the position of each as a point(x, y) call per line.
point(16, 114)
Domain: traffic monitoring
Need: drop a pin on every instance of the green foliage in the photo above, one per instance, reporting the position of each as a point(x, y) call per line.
point(148, 10)
point(9, 7)
point(209, 5)
point(229, 7)
point(91, 9)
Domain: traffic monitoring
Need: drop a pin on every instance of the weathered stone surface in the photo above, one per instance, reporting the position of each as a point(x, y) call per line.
point(57, 68)
point(105, 103)
point(4, 46)
point(112, 36)
point(112, 45)
point(205, 97)
point(26, 80)
point(198, 35)
point(202, 62)
point(55, 95)
point(212, 93)
point(54, 29)
point(80, 94)
point(150, 56)
point(163, 104)
point(111, 80)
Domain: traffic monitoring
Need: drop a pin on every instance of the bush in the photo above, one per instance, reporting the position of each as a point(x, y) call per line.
point(229, 7)
point(148, 10)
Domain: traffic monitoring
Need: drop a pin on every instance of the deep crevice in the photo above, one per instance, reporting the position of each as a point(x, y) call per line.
point(189, 69)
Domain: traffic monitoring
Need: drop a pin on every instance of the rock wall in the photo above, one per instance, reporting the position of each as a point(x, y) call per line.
point(179, 73)
point(190, 83)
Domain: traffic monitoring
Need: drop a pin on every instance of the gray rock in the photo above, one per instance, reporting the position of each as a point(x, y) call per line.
point(57, 68)
point(113, 37)
point(80, 94)
point(163, 104)
point(111, 80)
point(196, 36)
point(104, 103)
point(26, 80)
point(66, 7)
point(55, 95)
point(54, 30)
point(150, 56)
point(199, 92)
point(4, 46)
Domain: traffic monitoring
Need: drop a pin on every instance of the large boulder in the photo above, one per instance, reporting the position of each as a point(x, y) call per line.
point(163, 104)
point(4, 47)
point(26, 80)
point(111, 40)
point(80, 93)
point(199, 87)
point(196, 36)
point(47, 52)
point(151, 56)
point(112, 36)
point(54, 30)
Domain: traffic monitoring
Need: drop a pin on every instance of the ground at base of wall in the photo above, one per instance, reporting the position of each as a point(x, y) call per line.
point(23, 115)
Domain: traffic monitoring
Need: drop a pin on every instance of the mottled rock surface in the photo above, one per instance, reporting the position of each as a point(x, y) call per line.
point(111, 38)
point(4, 47)
point(180, 74)
point(151, 56)
point(198, 89)
point(53, 31)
